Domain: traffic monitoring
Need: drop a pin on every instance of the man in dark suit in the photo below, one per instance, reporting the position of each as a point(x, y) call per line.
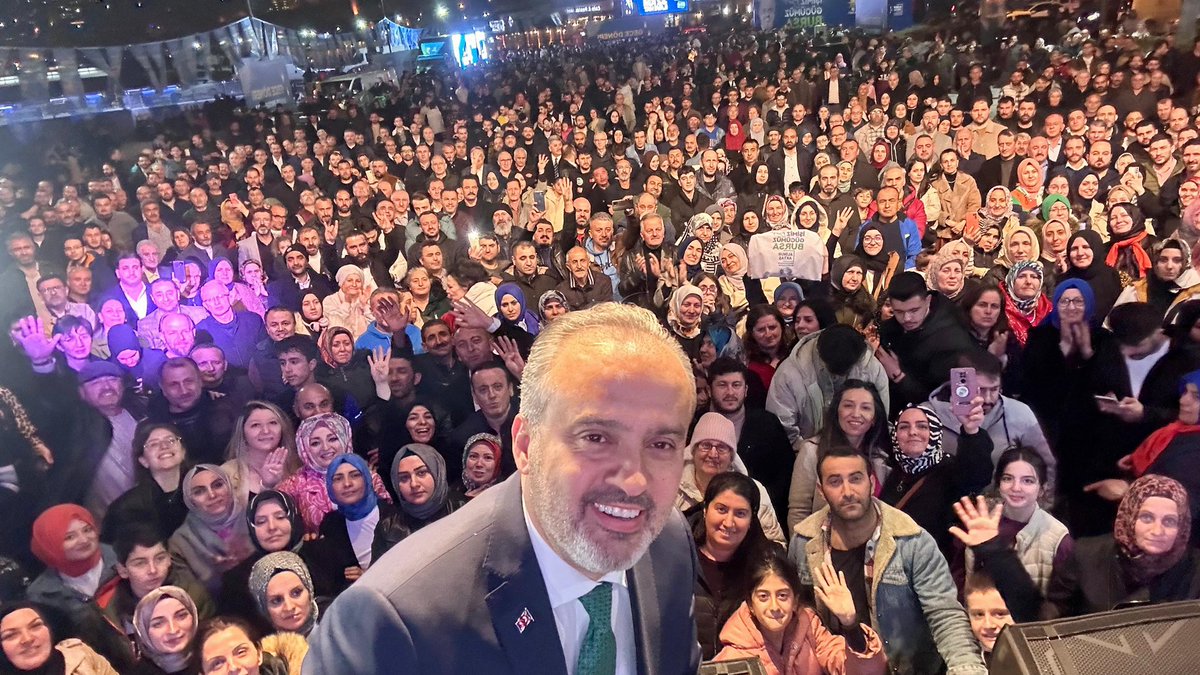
point(577, 564)
point(1001, 169)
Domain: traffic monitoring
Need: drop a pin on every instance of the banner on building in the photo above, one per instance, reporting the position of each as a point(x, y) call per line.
point(769, 14)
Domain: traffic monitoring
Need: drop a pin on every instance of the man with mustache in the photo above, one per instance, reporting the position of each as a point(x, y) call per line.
point(574, 564)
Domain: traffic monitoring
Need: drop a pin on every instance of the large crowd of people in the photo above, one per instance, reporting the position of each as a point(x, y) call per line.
point(249, 360)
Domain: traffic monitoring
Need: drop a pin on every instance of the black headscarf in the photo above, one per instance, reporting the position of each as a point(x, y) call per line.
point(874, 263)
point(55, 665)
point(289, 509)
point(1104, 280)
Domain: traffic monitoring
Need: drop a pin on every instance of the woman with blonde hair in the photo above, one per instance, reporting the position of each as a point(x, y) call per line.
point(261, 451)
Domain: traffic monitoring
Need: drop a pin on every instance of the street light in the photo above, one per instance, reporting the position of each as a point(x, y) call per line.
point(442, 11)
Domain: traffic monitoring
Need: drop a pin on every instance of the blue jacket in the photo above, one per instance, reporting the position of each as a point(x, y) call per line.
point(373, 337)
point(914, 603)
point(911, 235)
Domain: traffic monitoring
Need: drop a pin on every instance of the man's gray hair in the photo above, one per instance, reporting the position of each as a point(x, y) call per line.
point(611, 322)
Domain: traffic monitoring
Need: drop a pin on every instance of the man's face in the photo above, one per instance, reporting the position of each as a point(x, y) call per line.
point(1100, 156)
point(979, 112)
point(342, 200)
point(989, 614)
point(602, 483)
point(1007, 144)
point(181, 386)
point(911, 313)
point(847, 485)
point(473, 346)
point(212, 365)
point(294, 366)
point(402, 378)
point(146, 568)
point(1004, 109)
point(215, 298)
point(492, 392)
point(1160, 151)
point(525, 260)
point(436, 339)
point(888, 202)
point(178, 335)
point(129, 271)
point(728, 393)
point(165, 295)
point(280, 325)
point(73, 250)
point(313, 401)
point(23, 251)
point(53, 292)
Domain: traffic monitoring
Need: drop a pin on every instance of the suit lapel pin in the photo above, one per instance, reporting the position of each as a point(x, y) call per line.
point(524, 620)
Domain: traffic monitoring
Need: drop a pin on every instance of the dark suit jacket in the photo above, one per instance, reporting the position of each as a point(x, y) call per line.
point(447, 600)
point(989, 174)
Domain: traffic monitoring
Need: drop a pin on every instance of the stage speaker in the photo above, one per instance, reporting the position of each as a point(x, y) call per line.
point(738, 667)
point(1160, 639)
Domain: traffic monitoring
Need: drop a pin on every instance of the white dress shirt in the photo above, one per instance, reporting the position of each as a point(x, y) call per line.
point(565, 585)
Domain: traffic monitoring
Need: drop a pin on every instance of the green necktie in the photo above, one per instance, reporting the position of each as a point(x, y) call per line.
point(598, 653)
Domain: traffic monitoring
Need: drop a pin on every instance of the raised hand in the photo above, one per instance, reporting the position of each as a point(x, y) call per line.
point(30, 334)
point(843, 218)
point(467, 314)
point(510, 354)
point(833, 592)
point(982, 522)
point(378, 361)
point(271, 472)
point(973, 419)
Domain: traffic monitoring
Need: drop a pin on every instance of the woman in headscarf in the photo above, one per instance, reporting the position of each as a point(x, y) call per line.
point(420, 422)
point(787, 299)
point(165, 622)
point(214, 537)
point(851, 301)
point(997, 210)
point(880, 156)
point(343, 368)
point(274, 524)
point(1024, 303)
point(419, 478)
point(360, 529)
point(760, 185)
point(311, 319)
point(284, 593)
point(512, 309)
point(947, 274)
point(481, 466)
point(775, 214)
point(319, 440)
point(1055, 233)
point(1028, 193)
point(879, 265)
point(1085, 203)
point(733, 280)
point(685, 314)
point(925, 481)
point(1146, 559)
point(701, 227)
point(80, 575)
point(1129, 243)
point(1171, 280)
point(1183, 219)
point(748, 225)
point(1020, 244)
point(30, 645)
point(349, 307)
point(1085, 261)
point(690, 251)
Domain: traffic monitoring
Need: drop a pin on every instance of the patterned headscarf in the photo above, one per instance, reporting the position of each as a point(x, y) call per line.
point(933, 455)
point(1024, 305)
point(272, 564)
point(340, 427)
point(1144, 567)
point(169, 663)
point(493, 443)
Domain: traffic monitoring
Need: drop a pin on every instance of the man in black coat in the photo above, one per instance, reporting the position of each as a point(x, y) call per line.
point(921, 342)
point(762, 441)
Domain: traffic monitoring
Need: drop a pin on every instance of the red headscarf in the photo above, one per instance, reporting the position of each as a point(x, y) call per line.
point(50, 532)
